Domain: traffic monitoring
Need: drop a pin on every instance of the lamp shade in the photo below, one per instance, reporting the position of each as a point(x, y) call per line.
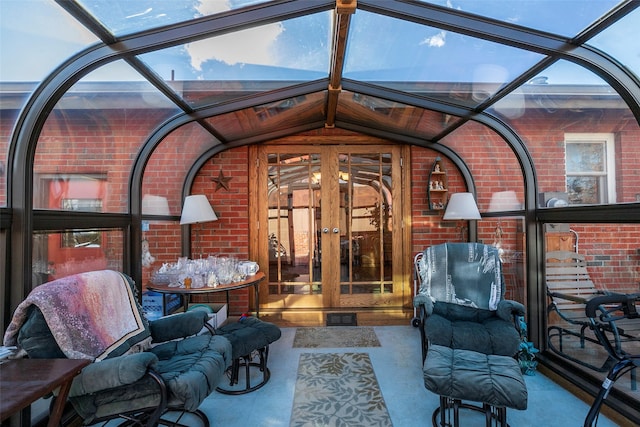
point(155, 205)
point(196, 209)
point(461, 206)
point(504, 201)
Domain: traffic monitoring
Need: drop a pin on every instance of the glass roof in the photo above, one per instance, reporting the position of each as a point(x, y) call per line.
point(564, 17)
point(126, 16)
point(36, 36)
point(268, 52)
point(615, 41)
point(408, 52)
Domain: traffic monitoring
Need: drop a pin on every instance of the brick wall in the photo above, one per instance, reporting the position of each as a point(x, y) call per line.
point(106, 142)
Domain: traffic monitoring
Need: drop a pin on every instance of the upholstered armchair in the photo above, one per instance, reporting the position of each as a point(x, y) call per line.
point(140, 370)
point(461, 300)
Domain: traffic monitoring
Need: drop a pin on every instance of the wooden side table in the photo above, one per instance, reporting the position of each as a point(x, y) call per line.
point(23, 381)
point(187, 292)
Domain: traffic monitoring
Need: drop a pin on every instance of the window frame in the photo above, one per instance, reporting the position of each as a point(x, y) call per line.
point(609, 174)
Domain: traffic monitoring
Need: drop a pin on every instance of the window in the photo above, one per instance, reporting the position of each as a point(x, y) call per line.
point(590, 168)
point(82, 239)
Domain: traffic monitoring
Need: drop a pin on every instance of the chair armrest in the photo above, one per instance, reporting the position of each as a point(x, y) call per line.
point(424, 301)
point(509, 309)
point(176, 326)
point(111, 373)
point(574, 298)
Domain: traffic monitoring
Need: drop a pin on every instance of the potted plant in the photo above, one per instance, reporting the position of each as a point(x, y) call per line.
point(527, 352)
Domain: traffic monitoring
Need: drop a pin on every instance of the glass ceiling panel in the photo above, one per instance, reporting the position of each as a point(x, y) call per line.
point(123, 17)
point(612, 41)
point(370, 111)
point(552, 109)
point(35, 37)
point(562, 85)
point(411, 52)
point(273, 117)
point(295, 50)
point(564, 17)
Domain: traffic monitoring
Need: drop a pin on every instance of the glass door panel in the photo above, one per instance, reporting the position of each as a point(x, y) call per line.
point(330, 227)
point(366, 209)
point(294, 249)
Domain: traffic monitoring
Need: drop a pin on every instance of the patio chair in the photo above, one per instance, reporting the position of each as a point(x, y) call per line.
point(569, 288)
point(469, 332)
point(461, 300)
point(605, 313)
point(141, 370)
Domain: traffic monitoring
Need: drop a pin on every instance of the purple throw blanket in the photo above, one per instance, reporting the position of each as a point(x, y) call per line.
point(90, 315)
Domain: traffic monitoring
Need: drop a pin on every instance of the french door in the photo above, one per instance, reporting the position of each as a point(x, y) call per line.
point(331, 220)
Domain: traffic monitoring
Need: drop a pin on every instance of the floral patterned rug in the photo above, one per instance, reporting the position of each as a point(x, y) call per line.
point(337, 389)
point(336, 337)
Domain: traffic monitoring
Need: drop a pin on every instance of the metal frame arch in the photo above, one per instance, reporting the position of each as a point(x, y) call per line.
point(185, 241)
point(21, 152)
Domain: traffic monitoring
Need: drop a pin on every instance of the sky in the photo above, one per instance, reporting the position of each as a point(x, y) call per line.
point(38, 35)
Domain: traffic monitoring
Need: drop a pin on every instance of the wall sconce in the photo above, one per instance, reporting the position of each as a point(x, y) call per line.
point(462, 207)
point(196, 210)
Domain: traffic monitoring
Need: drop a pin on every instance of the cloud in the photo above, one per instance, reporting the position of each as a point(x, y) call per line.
point(252, 46)
point(211, 7)
point(437, 40)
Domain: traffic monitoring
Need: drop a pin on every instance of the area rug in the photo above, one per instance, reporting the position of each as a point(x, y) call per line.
point(336, 337)
point(337, 389)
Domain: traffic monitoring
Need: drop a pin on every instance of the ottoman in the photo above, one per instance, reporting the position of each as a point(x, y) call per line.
point(456, 375)
point(250, 338)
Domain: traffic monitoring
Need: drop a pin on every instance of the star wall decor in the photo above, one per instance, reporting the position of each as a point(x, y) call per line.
point(221, 181)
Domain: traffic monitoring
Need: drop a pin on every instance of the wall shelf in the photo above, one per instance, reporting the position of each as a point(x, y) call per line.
point(437, 192)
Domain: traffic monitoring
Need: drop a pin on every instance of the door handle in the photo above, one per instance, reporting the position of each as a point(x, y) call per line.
point(336, 230)
point(325, 230)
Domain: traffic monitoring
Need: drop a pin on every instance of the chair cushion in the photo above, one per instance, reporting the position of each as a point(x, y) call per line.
point(469, 375)
point(459, 327)
point(249, 334)
point(36, 339)
point(192, 368)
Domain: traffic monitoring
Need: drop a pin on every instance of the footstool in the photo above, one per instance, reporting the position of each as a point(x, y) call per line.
point(456, 375)
point(250, 337)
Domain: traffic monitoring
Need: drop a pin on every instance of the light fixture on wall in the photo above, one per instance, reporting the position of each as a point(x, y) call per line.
point(461, 207)
point(196, 210)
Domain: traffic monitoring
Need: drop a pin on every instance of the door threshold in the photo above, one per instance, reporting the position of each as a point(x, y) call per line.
point(318, 317)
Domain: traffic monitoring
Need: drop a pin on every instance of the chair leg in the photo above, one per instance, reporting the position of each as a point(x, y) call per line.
point(247, 361)
point(177, 423)
point(448, 413)
point(487, 414)
point(247, 365)
point(456, 413)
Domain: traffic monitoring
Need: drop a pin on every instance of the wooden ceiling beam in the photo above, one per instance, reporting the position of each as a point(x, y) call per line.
point(344, 10)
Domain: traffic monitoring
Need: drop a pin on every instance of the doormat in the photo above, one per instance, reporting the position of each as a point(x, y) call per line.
point(342, 319)
point(336, 337)
point(337, 389)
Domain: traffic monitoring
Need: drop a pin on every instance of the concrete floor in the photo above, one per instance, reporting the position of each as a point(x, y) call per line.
point(398, 370)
